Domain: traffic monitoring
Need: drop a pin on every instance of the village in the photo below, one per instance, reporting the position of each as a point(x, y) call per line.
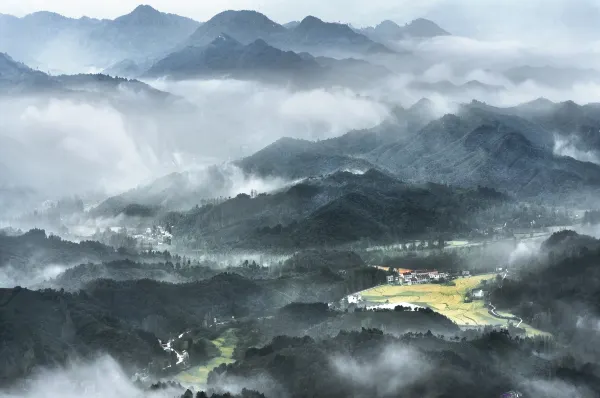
point(403, 276)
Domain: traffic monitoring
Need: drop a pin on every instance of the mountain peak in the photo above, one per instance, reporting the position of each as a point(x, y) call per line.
point(316, 27)
point(145, 9)
point(250, 17)
point(244, 26)
point(142, 14)
point(423, 103)
point(422, 27)
point(538, 104)
point(311, 20)
point(388, 24)
point(46, 16)
point(260, 43)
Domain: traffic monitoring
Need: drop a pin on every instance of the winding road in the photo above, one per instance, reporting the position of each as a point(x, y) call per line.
point(492, 311)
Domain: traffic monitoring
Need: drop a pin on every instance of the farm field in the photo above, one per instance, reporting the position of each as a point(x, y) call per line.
point(198, 375)
point(447, 300)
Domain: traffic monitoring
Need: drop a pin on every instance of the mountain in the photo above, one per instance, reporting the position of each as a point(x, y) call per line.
point(242, 26)
point(18, 77)
point(576, 125)
point(176, 191)
point(315, 35)
point(128, 68)
point(42, 36)
point(479, 145)
point(182, 191)
point(67, 44)
point(294, 159)
point(143, 33)
point(311, 34)
point(568, 128)
point(68, 327)
point(100, 83)
point(423, 28)
point(330, 210)
point(33, 258)
point(451, 151)
point(391, 31)
point(225, 56)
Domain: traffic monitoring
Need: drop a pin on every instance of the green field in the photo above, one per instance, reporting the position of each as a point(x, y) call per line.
point(447, 300)
point(198, 375)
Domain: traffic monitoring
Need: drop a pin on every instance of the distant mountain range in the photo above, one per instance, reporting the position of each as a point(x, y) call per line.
point(226, 57)
point(43, 38)
point(389, 31)
point(146, 35)
point(16, 77)
point(311, 34)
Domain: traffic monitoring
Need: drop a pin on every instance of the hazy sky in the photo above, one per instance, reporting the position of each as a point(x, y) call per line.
point(484, 18)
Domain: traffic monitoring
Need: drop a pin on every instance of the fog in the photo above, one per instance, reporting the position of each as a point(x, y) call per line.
point(100, 378)
point(95, 149)
point(33, 277)
point(386, 375)
point(235, 109)
point(524, 252)
point(569, 147)
point(63, 146)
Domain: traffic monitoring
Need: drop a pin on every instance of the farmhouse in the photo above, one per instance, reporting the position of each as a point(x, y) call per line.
point(415, 277)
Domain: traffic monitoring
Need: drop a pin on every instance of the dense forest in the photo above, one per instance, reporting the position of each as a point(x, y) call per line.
point(559, 291)
point(371, 363)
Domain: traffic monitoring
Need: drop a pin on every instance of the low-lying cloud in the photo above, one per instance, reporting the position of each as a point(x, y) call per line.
point(386, 375)
point(11, 276)
point(64, 146)
point(101, 378)
point(568, 147)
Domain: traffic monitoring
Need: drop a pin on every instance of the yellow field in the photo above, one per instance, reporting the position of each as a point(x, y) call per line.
point(457, 243)
point(447, 300)
point(198, 375)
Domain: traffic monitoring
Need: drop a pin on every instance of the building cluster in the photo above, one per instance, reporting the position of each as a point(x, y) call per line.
point(155, 238)
point(416, 277)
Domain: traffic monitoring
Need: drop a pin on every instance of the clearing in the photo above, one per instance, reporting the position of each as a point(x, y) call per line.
point(198, 375)
point(447, 300)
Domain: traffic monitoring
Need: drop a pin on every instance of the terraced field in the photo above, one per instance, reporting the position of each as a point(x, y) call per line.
point(447, 300)
point(198, 376)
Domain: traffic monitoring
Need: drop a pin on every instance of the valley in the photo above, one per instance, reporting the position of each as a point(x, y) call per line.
point(197, 376)
point(299, 200)
point(447, 299)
